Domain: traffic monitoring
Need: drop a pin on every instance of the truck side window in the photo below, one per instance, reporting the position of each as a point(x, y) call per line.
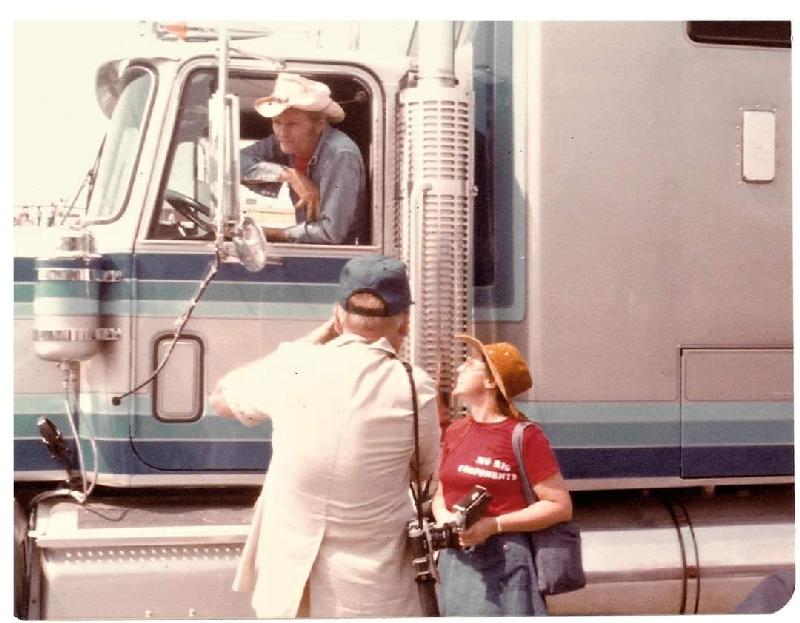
point(269, 204)
point(752, 33)
point(272, 204)
point(493, 163)
point(187, 176)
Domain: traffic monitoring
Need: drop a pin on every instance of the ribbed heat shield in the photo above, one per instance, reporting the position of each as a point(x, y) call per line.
point(434, 158)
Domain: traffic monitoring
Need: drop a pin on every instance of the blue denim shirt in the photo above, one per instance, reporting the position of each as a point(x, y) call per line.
point(337, 168)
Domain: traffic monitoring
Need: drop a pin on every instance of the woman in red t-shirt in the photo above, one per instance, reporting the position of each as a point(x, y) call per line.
point(494, 575)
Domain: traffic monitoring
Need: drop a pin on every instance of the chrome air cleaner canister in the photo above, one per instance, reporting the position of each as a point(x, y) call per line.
point(66, 306)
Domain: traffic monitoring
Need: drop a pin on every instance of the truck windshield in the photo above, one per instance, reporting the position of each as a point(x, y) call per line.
point(120, 153)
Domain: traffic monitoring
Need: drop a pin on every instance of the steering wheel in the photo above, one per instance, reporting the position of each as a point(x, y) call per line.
point(189, 208)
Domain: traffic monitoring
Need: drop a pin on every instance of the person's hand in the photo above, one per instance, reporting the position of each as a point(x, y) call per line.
point(478, 532)
point(444, 516)
point(307, 192)
point(219, 403)
point(323, 333)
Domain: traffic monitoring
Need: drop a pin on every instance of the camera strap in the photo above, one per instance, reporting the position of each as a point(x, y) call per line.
point(423, 560)
point(418, 494)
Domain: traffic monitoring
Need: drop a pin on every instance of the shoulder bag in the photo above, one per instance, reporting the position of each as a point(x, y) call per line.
point(557, 549)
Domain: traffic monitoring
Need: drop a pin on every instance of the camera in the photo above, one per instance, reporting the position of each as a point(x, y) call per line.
point(425, 539)
point(467, 510)
point(428, 538)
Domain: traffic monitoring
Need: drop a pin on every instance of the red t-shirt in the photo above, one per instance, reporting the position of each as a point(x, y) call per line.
point(477, 453)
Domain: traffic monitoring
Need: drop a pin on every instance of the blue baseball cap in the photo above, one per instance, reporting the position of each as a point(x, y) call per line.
point(383, 276)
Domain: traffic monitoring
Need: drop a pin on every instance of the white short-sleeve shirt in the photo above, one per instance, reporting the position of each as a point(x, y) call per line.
point(335, 505)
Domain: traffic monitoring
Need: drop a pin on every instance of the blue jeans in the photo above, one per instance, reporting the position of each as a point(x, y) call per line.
point(496, 578)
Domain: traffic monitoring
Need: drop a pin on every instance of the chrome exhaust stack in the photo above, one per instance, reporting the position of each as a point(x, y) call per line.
point(435, 153)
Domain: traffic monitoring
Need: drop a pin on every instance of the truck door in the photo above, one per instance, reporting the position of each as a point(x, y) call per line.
point(242, 315)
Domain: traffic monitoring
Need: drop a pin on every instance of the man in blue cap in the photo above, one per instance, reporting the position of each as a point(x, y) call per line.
point(329, 532)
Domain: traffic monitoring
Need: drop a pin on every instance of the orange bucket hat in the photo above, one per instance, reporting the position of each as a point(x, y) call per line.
point(507, 366)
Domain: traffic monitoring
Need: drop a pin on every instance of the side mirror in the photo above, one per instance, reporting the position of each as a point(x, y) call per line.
point(223, 160)
point(249, 244)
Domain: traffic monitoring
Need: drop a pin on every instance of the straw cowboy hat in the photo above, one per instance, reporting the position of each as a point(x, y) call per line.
point(294, 91)
point(507, 367)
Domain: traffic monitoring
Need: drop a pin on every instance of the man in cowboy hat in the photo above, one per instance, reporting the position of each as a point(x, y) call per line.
point(329, 533)
point(322, 165)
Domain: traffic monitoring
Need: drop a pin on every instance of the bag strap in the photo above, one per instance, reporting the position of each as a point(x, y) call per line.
point(516, 442)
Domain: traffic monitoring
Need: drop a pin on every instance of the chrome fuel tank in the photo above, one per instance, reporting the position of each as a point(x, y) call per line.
point(698, 552)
